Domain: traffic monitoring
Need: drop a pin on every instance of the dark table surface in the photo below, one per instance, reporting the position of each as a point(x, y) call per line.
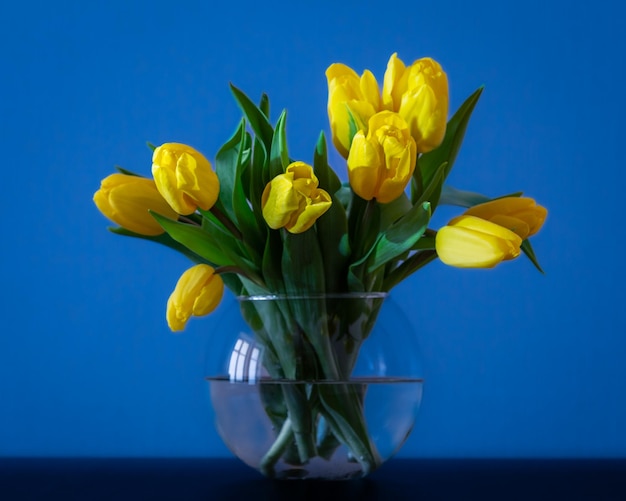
point(399, 479)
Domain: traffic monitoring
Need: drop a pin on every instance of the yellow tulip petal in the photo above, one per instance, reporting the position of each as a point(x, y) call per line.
point(464, 248)
point(209, 297)
point(394, 83)
point(472, 242)
point(350, 96)
point(364, 163)
point(534, 217)
point(381, 163)
point(127, 200)
point(523, 208)
point(184, 177)
point(369, 90)
point(424, 103)
point(514, 224)
point(198, 292)
point(167, 184)
point(506, 205)
point(399, 174)
point(310, 212)
point(292, 200)
point(339, 70)
point(487, 227)
point(279, 201)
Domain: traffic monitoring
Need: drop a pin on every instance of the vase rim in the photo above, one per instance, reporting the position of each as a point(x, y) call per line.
point(330, 295)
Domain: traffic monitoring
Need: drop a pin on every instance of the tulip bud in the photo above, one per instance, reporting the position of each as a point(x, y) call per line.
point(184, 177)
point(127, 200)
point(350, 96)
point(519, 214)
point(472, 242)
point(381, 162)
point(420, 94)
point(198, 292)
point(394, 83)
point(293, 200)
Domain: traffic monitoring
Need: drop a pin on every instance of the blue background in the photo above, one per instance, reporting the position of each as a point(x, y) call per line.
point(518, 364)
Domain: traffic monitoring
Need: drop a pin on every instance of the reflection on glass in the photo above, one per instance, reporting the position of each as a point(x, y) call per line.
point(244, 361)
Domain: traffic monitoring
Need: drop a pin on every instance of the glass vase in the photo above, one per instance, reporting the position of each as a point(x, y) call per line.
point(317, 386)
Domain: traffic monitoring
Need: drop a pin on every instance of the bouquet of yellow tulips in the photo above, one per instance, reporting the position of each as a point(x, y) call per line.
point(264, 223)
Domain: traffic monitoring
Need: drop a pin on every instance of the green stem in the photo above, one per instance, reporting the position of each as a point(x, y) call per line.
point(411, 265)
point(277, 449)
point(225, 220)
point(299, 414)
point(342, 409)
point(365, 228)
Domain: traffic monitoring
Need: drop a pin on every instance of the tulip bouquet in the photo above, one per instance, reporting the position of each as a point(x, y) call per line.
point(264, 223)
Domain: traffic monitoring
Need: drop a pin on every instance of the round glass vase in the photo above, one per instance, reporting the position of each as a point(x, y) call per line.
point(314, 386)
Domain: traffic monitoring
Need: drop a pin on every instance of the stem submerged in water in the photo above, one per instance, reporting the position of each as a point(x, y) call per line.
point(277, 449)
point(314, 343)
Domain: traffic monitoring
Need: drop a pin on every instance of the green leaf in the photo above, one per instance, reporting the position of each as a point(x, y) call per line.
point(363, 226)
point(530, 253)
point(127, 172)
point(410, 265)
point(163, 239)
point(345, 195)
point(325, 174)
point(401, 236)
point(434, 186)
point(259, 177)
point(363, 223)
point(355, 124)
point(332, 235)
point(271, 266)
point(264, 105)
point(230, 164)
point(151, 146)
point(394, 210)
point(332, 227)
point(514, 194)
point(428, 163)
point(195, 239)
point(279, 156)
point(302, 264)
point(256, 118)
point(227, 167)
point(461, 198)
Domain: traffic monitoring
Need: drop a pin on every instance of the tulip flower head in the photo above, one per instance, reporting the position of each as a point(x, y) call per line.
point(127, 200)
point(293, 200)
point(472, 242)
point(350, 97)
point(184, 177)
point(198, 292)
point(419, 93)
point(519, 214)
point(381, 162)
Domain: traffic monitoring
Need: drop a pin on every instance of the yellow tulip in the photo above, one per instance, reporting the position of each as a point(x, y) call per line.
point(381, 162)
point(419, 93)
point(126, 200)
point(198, 292)
point(184, 177)
point(472, 242)
point(293, 200)
point(519, 214)
point(349, 94)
